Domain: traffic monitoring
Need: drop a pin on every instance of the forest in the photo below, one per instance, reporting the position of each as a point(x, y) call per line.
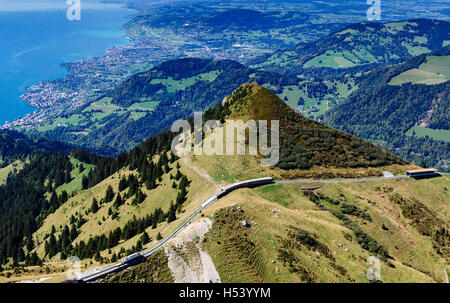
point(383, 113)
point(24, 206)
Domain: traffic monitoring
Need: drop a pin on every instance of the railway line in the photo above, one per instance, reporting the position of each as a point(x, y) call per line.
point(221, 193)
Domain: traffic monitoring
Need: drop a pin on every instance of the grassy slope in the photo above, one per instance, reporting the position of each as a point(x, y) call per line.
point(230, 169)
point(271, 209)
point(251, 101)
point(79, 206)
point(75, 185)
point(436, 134)
point(155, 270)
point(252, 254)
point(5, 171)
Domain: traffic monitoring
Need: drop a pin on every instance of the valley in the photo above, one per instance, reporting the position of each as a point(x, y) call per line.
point(155, 41)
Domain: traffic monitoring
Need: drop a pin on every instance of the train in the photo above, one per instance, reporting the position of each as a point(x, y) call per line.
point(248, 183)
point(207, 202)
point(134, 258)
point(422, 173)
point(226, 190)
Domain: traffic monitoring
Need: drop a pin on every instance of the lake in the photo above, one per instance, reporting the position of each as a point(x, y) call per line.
point(36, 37)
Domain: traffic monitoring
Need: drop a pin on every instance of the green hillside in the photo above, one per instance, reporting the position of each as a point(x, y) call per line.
point(403, 108)
point(304, 143)
point(359, 46)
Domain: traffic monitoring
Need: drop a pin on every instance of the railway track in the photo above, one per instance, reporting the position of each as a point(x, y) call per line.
point(221, 193)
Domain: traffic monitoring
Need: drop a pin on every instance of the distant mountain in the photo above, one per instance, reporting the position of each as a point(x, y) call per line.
point(213, 20)
point(359, 46)
point(255, 20)
point(403, 108)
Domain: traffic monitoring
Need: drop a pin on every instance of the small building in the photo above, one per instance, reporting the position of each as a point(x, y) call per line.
point(422, 173)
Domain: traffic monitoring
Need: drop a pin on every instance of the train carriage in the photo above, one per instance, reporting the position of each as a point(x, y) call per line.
point(137, 257)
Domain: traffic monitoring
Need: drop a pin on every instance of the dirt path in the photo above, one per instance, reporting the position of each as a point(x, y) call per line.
point(200, 172)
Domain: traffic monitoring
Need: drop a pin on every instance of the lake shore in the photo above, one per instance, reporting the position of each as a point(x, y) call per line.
point(39, 46)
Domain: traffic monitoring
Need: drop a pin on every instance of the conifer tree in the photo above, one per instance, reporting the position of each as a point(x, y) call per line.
point(84, 182)
point(118, 202)
point(29, 242)
point(145, 238)
point(73, 232)
point(123, 183)
point(94, 206)
point(178, 175)
point(109, 196)
point(172, 213)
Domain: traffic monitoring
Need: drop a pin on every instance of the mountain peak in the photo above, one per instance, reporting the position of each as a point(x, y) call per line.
point(253, 101)
point(304, 143)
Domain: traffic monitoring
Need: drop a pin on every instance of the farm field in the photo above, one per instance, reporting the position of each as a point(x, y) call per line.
point(332, 60)
point(437, 134)
point(435, 70)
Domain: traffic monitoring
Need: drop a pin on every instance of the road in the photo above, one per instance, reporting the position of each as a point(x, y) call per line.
point(119, 267)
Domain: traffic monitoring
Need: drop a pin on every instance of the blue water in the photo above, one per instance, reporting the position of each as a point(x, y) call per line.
point(34, 42)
